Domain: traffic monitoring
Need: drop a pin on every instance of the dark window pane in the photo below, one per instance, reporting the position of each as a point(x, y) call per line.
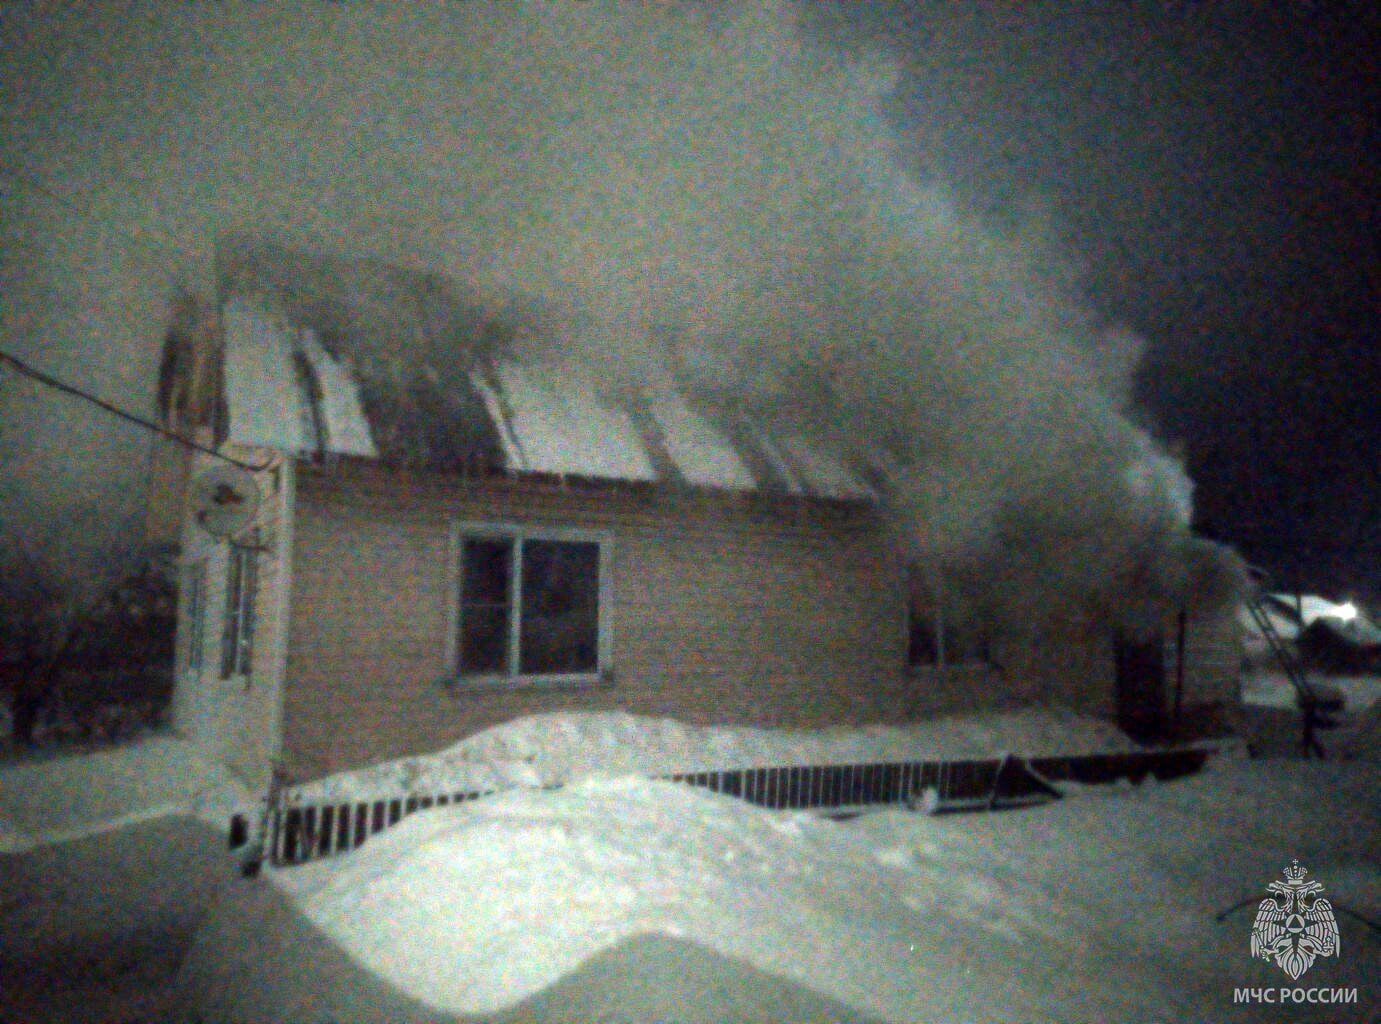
point(196, 611)
point(484, 640)
point(560, 607)
point(923, 649)
point(486, 570)
point(248, 593)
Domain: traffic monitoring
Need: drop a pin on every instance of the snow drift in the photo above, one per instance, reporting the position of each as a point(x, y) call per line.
point(558, 748)
point(1101, 907)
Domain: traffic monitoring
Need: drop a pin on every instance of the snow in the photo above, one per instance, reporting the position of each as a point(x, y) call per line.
point(1290, 614)
point(512, 454)
point(1272, 715)
point(1309, 608)
point(701, 453)
point(549, 418)
point(780, 466)
point(109, 860)
point(47, 802)
point(93, 929)
point(551, 749)
point(621, 898)
point(1099, 908)
point(824, 475)
point(1271, 687)
point(1287, 627)
point(265, 394)
point(347, 430)
point(561, 427)
point(261, 388)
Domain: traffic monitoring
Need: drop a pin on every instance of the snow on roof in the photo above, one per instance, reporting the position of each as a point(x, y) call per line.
point(1286, 626)
point(559, 425)
point(263, 396)
point(701, 454)
point(291, 387)
point(347, 430)
point(778, 462)
point(1306, 608)
point(493, 405)
point(285, 391)
point(822, 473)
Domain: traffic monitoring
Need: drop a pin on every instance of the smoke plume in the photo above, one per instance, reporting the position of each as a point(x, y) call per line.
point(689, 195)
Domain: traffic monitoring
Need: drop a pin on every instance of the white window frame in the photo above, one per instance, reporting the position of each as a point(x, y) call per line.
point(240, 621)
point(519, 533)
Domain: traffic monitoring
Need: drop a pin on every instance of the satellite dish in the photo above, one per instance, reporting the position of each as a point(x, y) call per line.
point(224, 499)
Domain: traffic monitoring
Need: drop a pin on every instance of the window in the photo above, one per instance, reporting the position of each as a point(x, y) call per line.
point(195, 603)
point(237, 642)
point(531, 604)
point(942, 631)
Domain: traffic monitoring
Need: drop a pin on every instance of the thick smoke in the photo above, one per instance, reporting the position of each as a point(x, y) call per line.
point(701, 197)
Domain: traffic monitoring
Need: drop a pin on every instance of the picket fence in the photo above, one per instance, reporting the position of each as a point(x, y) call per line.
point(293, 832)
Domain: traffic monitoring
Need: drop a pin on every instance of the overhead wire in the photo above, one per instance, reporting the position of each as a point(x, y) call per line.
point(152, 243)
point(48, 380)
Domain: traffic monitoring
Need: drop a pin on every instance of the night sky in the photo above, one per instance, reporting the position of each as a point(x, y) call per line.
point(1214, 169)
point(1205, 174)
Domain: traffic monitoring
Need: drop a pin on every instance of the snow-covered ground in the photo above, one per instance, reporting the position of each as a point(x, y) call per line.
point(621, 898)
point(1269, 686)
point(53, 800)
point(1272, 720)
point(108, 861)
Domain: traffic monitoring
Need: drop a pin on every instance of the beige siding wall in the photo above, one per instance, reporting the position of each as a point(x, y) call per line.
point(1071, 665)
point(723, 611)
point(236, 721)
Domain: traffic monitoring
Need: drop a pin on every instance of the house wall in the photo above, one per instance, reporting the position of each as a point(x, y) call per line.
point(743, 610)
point(169, 463)
point(724, 610)
point(1212, 672)
point(237, 721)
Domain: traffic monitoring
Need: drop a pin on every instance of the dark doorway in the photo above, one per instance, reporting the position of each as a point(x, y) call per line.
point(1140, 671)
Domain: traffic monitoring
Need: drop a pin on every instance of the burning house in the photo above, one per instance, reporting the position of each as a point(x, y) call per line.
point(434, 528)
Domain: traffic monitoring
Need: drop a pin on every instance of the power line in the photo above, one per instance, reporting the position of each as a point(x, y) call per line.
point(68, 389)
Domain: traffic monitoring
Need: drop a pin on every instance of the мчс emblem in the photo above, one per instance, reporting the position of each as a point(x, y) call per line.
point(1294, 925)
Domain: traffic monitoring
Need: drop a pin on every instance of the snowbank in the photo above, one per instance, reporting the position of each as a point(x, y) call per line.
point(61, 799)
point(1271, 687)
point(544, 750)
point(109, 859)
point(1272, 717)
point(1098, 908)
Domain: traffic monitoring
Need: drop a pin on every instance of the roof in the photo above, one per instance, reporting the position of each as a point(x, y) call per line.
point(365, 368)
point(1358, 633)
point(1306, 609)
